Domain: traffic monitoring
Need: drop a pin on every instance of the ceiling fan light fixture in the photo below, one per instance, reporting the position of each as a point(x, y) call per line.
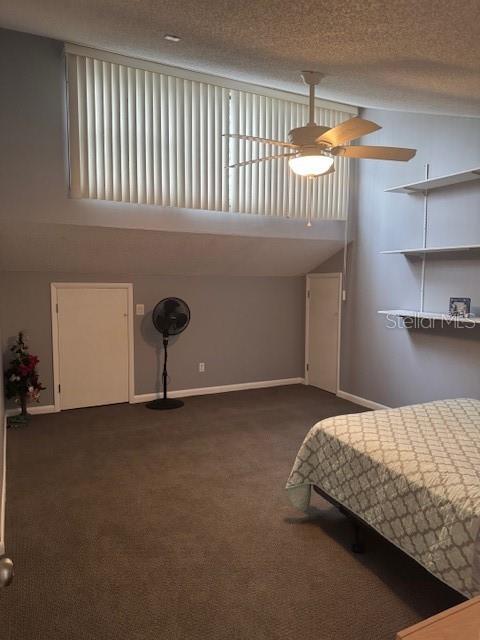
point(311, 166)
point(312, 148)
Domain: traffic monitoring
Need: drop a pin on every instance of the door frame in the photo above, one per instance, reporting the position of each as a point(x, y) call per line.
point(317, 276)
point(54, 287)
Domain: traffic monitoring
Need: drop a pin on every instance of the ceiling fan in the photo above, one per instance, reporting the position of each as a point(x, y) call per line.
point(312, 148)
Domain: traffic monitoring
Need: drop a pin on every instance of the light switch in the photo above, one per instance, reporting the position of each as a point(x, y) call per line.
point(140, 309)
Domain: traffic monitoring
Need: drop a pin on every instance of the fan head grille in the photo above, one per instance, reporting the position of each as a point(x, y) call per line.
point(171, 316)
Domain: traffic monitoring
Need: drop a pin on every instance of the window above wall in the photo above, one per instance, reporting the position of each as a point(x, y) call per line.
point(143, 133)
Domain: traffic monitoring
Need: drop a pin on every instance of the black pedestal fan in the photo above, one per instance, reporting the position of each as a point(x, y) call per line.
point(170, 316)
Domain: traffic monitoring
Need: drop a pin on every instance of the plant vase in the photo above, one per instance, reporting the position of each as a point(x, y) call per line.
point(22, 418)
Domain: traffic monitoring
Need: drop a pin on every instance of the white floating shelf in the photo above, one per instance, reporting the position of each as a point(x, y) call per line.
point(421, 252)
point(430, 315)
point(437, 183)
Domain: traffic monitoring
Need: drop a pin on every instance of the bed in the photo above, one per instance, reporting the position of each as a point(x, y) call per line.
point(412, 474)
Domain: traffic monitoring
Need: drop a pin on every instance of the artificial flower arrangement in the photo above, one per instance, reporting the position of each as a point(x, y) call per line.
point(21, 377)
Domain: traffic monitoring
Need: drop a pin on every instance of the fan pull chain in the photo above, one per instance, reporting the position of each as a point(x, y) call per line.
point(309, 200)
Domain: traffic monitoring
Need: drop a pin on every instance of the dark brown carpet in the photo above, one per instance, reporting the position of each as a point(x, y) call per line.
point(132, 524)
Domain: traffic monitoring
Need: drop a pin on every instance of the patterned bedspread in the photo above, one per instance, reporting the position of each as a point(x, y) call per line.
point(411, 473)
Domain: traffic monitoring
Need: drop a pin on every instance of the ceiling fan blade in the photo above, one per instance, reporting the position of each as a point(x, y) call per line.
point(348, 130)
point(375, 153)
point(243, 164)
point(278, 143)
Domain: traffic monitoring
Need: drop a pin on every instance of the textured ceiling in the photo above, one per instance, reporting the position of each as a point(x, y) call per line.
point(78, 249)
point(418, 55)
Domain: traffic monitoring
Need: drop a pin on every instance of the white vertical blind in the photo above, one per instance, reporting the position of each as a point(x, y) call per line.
point(141, 136)
point(145, 137)
point(270, 188)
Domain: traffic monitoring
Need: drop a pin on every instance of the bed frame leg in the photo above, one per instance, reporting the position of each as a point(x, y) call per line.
point(357, 545)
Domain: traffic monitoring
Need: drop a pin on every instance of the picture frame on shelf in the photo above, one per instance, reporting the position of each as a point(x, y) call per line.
point(460, 307)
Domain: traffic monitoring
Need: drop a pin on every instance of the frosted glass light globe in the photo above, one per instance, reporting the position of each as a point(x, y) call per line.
point(310, 165)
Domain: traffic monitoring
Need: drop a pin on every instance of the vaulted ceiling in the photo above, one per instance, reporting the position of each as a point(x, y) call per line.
point(409, 55)
point(103, 250)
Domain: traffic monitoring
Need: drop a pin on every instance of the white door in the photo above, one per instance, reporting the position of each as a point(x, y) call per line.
point(323, 321)
point(92, 346)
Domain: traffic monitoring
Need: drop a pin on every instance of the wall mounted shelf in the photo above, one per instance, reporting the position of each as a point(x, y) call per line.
point(430, 315)
point(437, 183)
point(438, 250)
point(424, 187)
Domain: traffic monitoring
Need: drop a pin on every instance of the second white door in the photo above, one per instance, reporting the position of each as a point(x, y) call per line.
point(93, 346)
point(323, 321)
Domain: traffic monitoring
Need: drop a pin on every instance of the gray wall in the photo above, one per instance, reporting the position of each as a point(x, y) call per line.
point(390, 366)
point(34, 180)
point(332, 265)
point(2, 453)
point(244, 329)
point(398, 366)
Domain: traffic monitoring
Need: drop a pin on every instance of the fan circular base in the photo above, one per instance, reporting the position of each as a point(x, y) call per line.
point(163, 404)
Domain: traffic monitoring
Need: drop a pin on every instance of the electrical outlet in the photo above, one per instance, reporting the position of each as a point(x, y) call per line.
point(201, 367)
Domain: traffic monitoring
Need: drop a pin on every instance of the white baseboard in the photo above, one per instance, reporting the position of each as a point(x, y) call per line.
point(202, 391)
point(34, 410)
point(181, 393)
point(363, 402)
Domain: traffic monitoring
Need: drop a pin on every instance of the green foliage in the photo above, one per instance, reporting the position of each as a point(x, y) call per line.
point(21, 377)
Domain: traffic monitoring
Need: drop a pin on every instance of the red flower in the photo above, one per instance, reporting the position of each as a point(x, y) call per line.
point(21, 378)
